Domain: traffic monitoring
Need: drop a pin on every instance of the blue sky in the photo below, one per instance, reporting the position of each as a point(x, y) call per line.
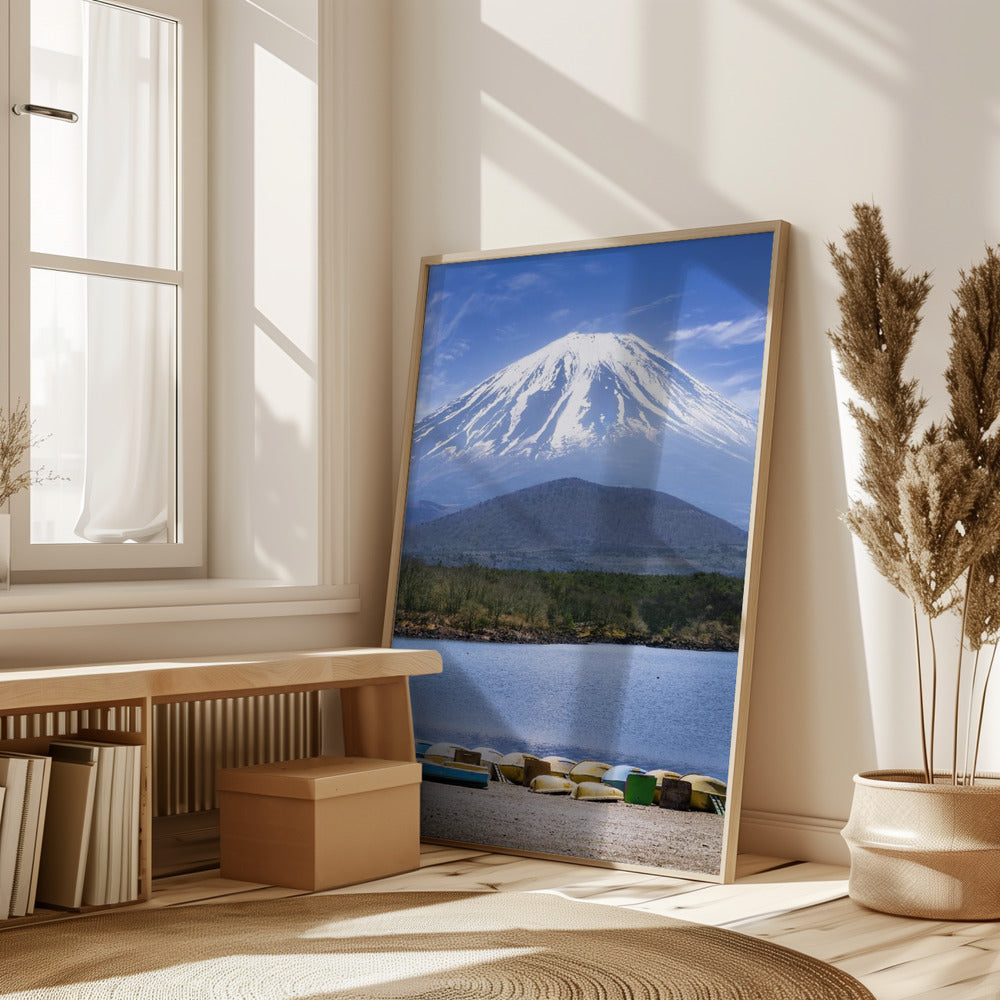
point(701, 302)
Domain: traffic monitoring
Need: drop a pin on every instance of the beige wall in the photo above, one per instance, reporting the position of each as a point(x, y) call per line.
point(518, 122)
point(512, 122)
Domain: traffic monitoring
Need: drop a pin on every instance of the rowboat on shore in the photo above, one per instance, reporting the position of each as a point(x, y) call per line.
point(617, 776)
point(488, 755)
point(520, 768)
point(441, 751)
point(660, 774)
point(469, 775)
point(490, 758)
point(511, 766)
point(597, 791)
point(707, 794)
point(551, 784)
point(560, 765)
point(589, 770)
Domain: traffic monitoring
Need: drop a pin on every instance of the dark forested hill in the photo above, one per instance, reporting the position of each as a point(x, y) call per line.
point(571, 524)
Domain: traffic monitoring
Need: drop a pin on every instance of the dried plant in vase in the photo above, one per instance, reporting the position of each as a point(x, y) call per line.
point(16, 441)
point(929, 518)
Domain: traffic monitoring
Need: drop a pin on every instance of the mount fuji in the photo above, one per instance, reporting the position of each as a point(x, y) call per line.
point(603, 407)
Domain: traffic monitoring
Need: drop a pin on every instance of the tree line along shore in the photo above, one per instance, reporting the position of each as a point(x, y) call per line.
point(479, 603)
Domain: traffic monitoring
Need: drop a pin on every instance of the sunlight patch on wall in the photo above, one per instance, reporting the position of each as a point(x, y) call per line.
point(286, 335)
point(285, 186)
point(585, 34)
point(525, 167)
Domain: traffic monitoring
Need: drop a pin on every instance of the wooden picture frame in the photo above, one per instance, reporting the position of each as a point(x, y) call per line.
point(578, 529)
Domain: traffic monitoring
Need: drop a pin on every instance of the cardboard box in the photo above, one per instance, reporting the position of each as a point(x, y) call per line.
point(321, 822)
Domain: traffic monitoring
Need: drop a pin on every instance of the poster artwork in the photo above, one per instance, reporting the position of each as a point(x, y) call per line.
point(577, 525)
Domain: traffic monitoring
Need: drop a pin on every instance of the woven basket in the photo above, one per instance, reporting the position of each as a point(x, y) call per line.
point(921, 850)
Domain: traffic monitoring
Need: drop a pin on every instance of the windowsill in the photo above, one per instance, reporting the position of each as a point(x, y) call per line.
point(54, 605)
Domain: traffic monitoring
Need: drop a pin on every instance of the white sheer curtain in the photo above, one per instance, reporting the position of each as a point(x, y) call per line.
point(130, 154)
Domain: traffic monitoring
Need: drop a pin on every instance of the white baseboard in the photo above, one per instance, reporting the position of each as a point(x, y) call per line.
point(798, 838)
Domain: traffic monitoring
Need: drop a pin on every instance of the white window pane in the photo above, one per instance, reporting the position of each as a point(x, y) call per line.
point(105, 187)
point(102, 395)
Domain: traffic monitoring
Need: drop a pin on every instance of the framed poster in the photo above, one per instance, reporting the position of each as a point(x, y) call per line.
point(578, 534)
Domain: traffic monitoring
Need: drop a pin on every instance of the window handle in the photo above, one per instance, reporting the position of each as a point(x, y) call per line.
point(41, 109)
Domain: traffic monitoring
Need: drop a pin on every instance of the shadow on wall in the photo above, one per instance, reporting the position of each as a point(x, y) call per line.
point(605, 130)
point(668, 116)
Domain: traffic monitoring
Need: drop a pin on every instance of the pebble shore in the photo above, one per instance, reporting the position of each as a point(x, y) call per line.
point(510, 816)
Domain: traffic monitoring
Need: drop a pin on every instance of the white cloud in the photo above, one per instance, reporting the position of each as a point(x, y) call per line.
point(456, 348)
point(526, 279)
point(747, 330)
point(635, 310)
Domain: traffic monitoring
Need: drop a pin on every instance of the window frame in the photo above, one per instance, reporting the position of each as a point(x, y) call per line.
point(187, 554)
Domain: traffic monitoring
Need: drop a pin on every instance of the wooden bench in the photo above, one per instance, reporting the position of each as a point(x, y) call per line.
point(117, 702)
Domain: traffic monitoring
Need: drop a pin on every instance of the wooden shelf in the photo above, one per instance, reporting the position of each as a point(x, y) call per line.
point(114, 702)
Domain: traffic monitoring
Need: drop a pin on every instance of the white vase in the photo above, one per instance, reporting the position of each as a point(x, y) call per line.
point(4, 551)
point(921, 850)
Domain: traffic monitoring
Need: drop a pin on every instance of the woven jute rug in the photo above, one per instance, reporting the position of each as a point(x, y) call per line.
point(446, 946)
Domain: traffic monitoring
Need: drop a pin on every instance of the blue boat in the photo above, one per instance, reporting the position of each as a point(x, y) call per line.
point(469, 775)
point(617, 776)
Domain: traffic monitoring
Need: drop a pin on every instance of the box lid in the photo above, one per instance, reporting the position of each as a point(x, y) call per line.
point(319, 777)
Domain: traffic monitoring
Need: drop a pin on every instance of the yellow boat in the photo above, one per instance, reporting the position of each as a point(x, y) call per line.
point(589, 770)
point(551, 784)
point(707, 794)
point(660, 774)
point(488, 755)
point(512, 767)
point(595, 791)
point(560, 765)
point(441, 752)
point(534, 766)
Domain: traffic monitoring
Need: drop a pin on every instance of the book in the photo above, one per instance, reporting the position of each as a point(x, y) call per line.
point(116, 824)
point(130, 884)
point(95, 885)
point(66, 839)
point(32, 825)
point(3, 792)
point(14, 778)
point(42, 815)
point(108, 857)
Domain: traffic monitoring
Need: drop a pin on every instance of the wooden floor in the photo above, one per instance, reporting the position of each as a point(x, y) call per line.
point(800, 905)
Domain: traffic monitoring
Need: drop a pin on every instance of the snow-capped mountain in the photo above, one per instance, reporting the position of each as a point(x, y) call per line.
point(604, 407)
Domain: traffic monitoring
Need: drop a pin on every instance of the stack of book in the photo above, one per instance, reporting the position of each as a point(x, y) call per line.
point(90, 847)
point(25, 784)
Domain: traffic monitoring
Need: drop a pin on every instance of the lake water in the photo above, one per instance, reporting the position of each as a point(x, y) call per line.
point(650, 708)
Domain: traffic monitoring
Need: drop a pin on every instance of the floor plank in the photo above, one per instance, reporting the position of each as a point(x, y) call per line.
point(800, 905)
point(752, 864)
point(754, 897)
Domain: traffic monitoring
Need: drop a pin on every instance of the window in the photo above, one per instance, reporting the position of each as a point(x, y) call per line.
point(107, 265)
point(265, 390)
